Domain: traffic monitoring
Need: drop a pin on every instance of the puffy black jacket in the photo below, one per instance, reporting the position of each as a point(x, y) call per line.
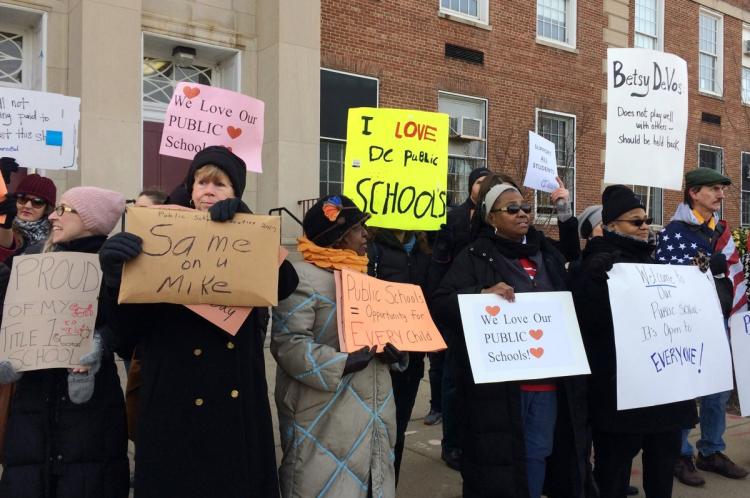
point(591, 296)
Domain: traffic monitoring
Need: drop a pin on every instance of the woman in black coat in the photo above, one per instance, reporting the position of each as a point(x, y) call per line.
point(66, 435)
point(620, 435)
point(204, 421)
point(510, 256)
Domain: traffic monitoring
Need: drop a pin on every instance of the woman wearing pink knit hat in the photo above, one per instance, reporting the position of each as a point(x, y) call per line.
point(66, 434)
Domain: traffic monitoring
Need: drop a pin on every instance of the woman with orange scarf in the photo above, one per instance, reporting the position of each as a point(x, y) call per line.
point(337, 418)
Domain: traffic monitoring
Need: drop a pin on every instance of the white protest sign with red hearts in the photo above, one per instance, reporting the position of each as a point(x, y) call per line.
point(200, 115)
point(535, 337)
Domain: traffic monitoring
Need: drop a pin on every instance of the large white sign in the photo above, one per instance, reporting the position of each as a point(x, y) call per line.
point(647, 115)
point(541, 172)
point(669, 335)
point(39, 129)
point(740, 327)
point(535, 337)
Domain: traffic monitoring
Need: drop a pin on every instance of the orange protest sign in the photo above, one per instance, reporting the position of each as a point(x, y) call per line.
point(3, 194)
point(375, 312)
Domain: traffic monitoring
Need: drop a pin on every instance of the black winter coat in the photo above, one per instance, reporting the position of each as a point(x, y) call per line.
point(493, 461)
point(55, 448)
point(591, 296)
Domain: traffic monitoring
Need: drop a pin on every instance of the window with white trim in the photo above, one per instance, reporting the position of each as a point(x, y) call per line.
point(556, 21)
point(11, 58)
point(710, 156)
point(745, 190)
point(474, 10)
point(160, 76)
point(655, 202)
point(745, 76)
point(560, 129)
point(23, 47)
point(710, 52)
point(649, 24)
point(339, 92)
point(467, 143)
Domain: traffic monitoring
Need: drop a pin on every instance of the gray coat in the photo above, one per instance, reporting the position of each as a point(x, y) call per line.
point(337, 434)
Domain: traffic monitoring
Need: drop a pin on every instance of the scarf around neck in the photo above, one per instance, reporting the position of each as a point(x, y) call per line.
point(525, 249)
point(329, 258)
point(33, 231)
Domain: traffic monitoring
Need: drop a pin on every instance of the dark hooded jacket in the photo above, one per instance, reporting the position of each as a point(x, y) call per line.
point(493, 461)
point(591, 297)
point(55, 448)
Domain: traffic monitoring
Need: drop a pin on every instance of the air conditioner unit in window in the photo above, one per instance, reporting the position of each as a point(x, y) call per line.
point(746, 47)
point(466, 128)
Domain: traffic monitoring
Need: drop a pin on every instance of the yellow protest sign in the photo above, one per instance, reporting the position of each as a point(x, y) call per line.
point(396, 166)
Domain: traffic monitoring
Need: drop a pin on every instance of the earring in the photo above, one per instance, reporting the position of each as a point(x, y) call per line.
point(496, 231)
point(191, 203)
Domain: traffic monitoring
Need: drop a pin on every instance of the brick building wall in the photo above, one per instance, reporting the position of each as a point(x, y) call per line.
point(402, 43)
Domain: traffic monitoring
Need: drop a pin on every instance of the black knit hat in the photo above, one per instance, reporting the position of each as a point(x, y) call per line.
point(330, 218)
point(225, 160)
point(476, 174)
point(616, 200)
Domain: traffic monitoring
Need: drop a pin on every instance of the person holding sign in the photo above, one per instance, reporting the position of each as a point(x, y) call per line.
point(696, 232)
point(337, 417)
point(510, 427)
point(619, 435)
point(204, 421)
point(66, 433)
point(26, 214)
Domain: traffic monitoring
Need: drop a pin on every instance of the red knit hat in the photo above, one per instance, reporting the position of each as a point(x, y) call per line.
point(39, 186)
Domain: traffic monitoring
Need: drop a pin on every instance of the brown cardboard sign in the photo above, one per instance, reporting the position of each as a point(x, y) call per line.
point(189, 259)
point(50, 310)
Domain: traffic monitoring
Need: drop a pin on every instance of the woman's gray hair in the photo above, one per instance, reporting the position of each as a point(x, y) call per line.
point(491, 197)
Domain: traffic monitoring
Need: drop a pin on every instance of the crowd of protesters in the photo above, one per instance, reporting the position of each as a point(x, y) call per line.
point(197, 398)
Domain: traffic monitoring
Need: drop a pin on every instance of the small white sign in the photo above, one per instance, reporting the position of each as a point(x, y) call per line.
point(541, 172)
point(647, 116)
point(535, 337)
point(669, 335)
point(39, 129)
point(740, 333)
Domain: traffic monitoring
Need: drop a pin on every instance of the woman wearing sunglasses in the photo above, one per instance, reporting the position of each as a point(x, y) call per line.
point(66, 434)
point(509, 427)
point(619, 435)
point(26, 214)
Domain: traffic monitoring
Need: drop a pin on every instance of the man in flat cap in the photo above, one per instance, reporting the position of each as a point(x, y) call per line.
point(695, 231)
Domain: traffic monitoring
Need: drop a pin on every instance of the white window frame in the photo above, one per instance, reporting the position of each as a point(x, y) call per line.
point(659, 25)
point(653, 201)
point(719, 70)
point(745, 59)
point(225, 73)
point(458, 96)
point(32, 25)
point(570, 27)
point(482, 17)
point(550, 217)
point(712, 148)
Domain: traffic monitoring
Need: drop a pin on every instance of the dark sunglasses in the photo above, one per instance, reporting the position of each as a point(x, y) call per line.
point(639, 223)
point(513, 209)
point(36, 202)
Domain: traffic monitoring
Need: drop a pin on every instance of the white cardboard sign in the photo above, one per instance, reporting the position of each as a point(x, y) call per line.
point(647, 116)
point(541, 172)
point(535, 337)
point(39, 129)
point(740, 327)
point(669, 335)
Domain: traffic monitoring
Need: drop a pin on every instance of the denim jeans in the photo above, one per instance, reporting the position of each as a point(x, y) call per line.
point(713, 423)
point(538, 412)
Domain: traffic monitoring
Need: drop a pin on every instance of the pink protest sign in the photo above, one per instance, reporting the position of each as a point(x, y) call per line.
point(200, 115)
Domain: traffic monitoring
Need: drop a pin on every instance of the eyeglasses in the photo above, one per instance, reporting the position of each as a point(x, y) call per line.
point(62, 209)
point(36, 202)
point(639, 223)
point(513, 209)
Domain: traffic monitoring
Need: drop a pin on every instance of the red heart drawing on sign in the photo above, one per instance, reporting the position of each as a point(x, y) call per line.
point(492, 310)
point(234, 132)
point(536, 334)
point(190, 91)
point(538, 352)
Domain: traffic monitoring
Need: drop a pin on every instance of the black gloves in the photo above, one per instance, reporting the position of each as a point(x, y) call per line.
point(391, 354)
point(225, 210)
point(8, 165)
point(718, 264)
point(358, 360)
point(9, 209)
point(115, 251)
point(599, 264)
